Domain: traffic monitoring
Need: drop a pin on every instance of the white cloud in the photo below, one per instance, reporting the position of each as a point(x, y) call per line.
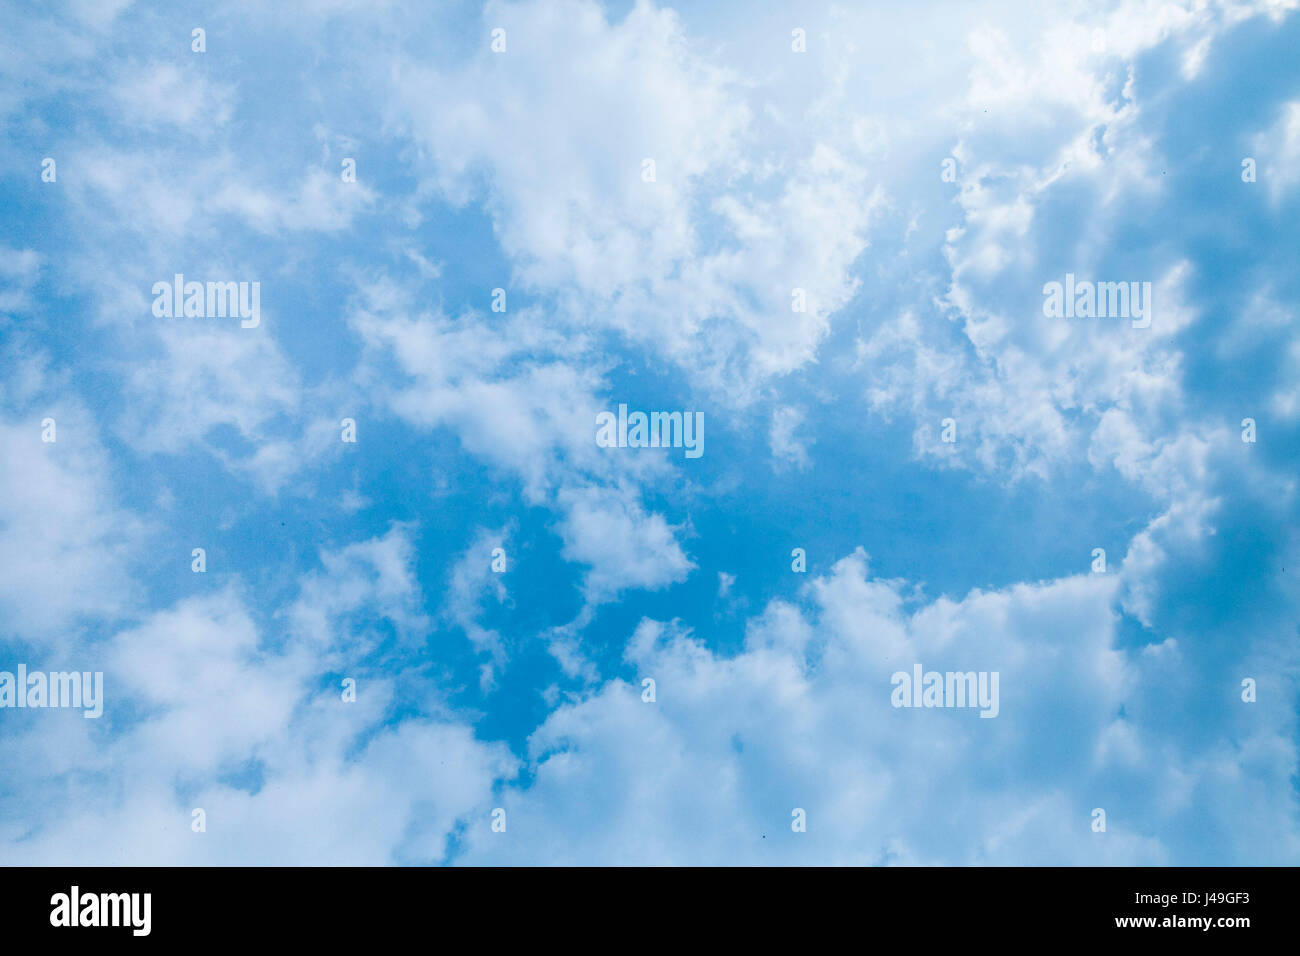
point(214, 713)
point(1277, 153)
point(472, 577)
point(519, 397)
point(711, 771)
point(66, 544)
point(212, 375)
point(155, 94)
point(702, 264)
point(787, 449)
point(625, 547)
point(19, 269)
point(725, 581)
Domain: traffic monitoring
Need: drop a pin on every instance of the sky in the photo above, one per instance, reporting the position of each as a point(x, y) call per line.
point(429, 600)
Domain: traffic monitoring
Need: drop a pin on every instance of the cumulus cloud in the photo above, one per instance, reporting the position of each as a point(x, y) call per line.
point(711, 771)
point(713, 250)
point(210, 712)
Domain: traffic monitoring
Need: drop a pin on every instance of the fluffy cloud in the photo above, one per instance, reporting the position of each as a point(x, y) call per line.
point(515, 396)
point(801, 718)
point(66, 543)
point(711, 251)
point(207, 711)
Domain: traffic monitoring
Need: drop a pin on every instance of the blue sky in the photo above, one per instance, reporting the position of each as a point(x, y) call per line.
point(1103, 140)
